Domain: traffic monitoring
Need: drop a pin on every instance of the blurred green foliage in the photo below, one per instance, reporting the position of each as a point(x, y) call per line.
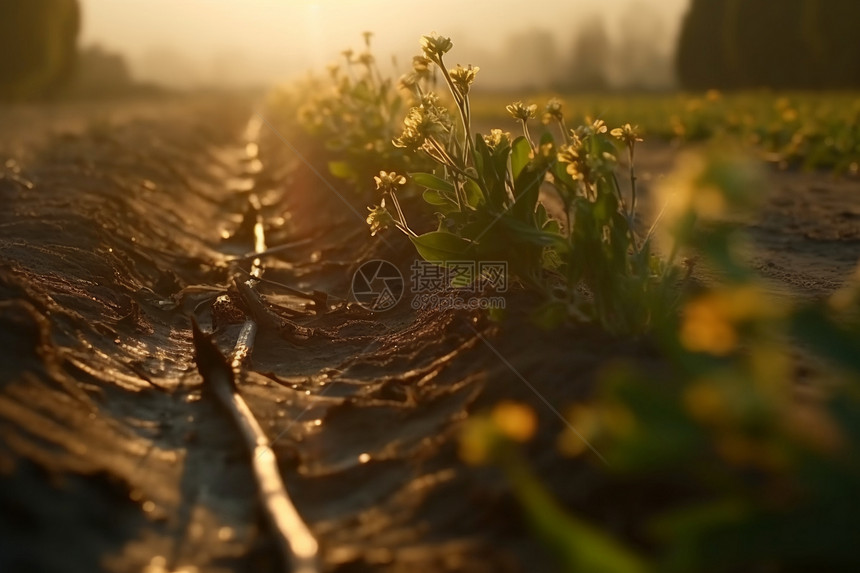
point(813, 130)
point(770, 464)
point(349, 116)
point(38, 40)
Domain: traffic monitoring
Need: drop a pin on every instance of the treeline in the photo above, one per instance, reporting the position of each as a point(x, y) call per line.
point(782, 44)
point(630, 53)
point(38, 42)
point(41, 58)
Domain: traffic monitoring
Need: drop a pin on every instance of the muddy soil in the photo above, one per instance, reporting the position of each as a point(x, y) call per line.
point(120, 225)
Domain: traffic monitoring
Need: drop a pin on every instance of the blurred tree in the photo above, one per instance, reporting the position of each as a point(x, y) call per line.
point(836, 43)
point(641, 59)
point(700, 61)
point(591, 58)
point(535, 57)
point(38, 40)
point(764, 44)
point(100, 73)
point(770, 43)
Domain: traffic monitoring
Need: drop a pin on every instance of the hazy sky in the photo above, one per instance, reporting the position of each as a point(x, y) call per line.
point(249, 40)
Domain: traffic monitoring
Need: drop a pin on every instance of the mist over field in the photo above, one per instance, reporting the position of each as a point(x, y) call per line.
point(220, 42)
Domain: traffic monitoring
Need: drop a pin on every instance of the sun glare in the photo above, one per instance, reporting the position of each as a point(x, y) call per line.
point(313, 18)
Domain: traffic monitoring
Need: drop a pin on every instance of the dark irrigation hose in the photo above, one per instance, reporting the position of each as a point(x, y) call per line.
point(295, 540)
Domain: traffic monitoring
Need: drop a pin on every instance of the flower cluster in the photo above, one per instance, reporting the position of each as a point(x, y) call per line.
point(628, 134)
point(463, 78)
point(586, 167)
point(591, 127)
point(434, 47)
point(518, 110)
point(497, 137)
point(389, 182)
point(554, 110)
point(379, 218)
point(424, 121)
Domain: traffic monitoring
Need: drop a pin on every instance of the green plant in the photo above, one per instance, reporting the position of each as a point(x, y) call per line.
point(352, 114)
point(485, 191)
point(773, 466)
point(577, 544)
point(777, 475)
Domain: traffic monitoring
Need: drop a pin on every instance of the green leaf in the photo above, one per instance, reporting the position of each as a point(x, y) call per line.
point(437, 198)
point(579, 545)
point(341, 170)
point(526, 192)
point(563, 178)
point(441, 246)
point(496, 314)
point(395, 106)
point(550, 315)
point(604, 208)
point(500, 158)
point(520, 156)
point(431, 182)
point(541, 215)
point(812, 326)
point(546, 137)
point(531, 234)
point(482, 153)
point(497, 184)
point(552, 226)
point(474, 195)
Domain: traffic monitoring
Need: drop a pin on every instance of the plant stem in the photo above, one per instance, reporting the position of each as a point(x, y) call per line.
point(446, 159)
point(632, 179)
point(462, 106)
point(528, 136)
point(400, 215)
point(628, 216)
point(565, 135)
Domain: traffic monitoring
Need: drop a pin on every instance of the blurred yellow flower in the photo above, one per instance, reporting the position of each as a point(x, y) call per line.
point(554, 110)
point(379, 218)
point(421, 66)
point(497, 137)
point(477, 441)
point(706, 328)
point(627, 133)
point(515, 421)
point(484, 437)
point(710, 322)
point(586, 419)
point(518, 110)
point(434, 47)
point(705, 402)
point(389, 182)
point(705, 188)
point(463, 77)
point(596, 126)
